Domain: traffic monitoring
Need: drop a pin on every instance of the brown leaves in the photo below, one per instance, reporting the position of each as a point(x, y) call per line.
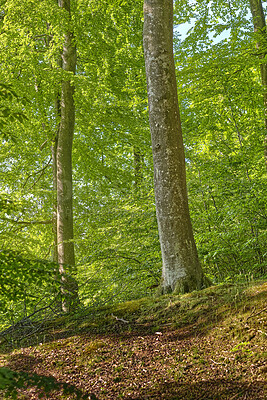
point(155, 360)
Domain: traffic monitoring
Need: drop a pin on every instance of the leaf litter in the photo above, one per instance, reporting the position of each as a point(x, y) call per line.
point(205, 345)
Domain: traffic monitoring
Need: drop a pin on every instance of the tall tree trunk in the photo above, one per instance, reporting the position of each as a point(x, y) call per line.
point(260, 29)
point(54, 158)
point(181, 267)
point(54, 218)
point(64, 170)
point(138, 165)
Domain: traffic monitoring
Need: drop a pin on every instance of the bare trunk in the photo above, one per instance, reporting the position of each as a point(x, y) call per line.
point(54, 219)
point(54, 158)
point(181, 268)
point(64, 170)
point(138, 163)
point(260, 28)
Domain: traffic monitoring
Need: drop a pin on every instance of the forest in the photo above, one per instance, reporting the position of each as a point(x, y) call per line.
point(133, 196)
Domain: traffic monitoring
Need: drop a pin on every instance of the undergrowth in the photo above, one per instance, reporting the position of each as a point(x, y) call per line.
point(232, 317)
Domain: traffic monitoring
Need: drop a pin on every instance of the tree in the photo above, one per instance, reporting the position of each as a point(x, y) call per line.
point(64, 140)
point(182, 271)
point(260, 29)
point(222, 120)
point(115, 226)
point(52, 63)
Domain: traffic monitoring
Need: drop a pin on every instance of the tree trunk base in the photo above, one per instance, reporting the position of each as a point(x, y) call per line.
point(186, 285)
point(70, 300)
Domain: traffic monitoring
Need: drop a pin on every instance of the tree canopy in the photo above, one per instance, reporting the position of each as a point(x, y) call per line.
point(221, 100)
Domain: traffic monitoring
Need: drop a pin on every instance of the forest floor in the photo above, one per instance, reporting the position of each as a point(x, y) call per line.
point(204, 345)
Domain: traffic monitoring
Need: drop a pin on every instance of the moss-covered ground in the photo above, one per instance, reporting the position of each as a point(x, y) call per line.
point(205, 345)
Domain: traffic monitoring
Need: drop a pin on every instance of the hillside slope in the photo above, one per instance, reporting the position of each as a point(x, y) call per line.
point(205, 345)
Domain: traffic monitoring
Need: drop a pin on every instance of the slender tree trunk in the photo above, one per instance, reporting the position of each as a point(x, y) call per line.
point(260, 29)
point(54, 218)
point(64, 170)
point(54, 158)
point(138, 164)
point(181, 268)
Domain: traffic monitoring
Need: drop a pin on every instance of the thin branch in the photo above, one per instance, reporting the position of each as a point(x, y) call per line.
point(120, 319)
point(43, 144)
point(259, 312)
point(49, 221)
point(40, 171)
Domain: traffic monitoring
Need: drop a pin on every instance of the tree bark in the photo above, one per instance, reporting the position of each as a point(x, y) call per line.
point(181, 270)
point(54, 158)
point(260, 29)
point(64, 170)
point(138, 173)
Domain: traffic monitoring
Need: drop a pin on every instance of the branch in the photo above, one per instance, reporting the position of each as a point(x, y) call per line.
point(40, 171)
point(43, 144)
point(49, 221)
point(257, 313)
point(120, 319)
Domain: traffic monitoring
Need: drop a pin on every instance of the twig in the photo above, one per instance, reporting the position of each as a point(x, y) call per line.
point(40, 171)
point(43, 144)
point(29, 323)
point(120, 319)
point(233, 397)
point(215, 362)
point(259, 312)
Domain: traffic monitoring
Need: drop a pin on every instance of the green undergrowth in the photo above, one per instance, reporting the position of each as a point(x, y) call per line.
point(232, 317)
point(203, 310)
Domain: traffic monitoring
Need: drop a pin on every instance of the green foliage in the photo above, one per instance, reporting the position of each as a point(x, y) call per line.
point(18, 272)
point(26, 284)
point(8, 113)
point(116, 239)
point(6, 205)
point(121, 254)
point(223, 125)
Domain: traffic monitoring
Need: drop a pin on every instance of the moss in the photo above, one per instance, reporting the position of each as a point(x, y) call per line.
point(190, 283)
point(205, 308)
point(93, 346)
point(128, 307)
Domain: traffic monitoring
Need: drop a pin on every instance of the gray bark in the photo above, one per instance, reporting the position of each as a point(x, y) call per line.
point(64, 170)
point(260, 28)
point(181, 270)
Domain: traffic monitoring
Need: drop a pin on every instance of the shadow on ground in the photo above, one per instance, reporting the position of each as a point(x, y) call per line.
point(208, 390)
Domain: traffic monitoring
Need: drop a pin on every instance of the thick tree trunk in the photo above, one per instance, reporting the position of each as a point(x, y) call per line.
point(181, 268)
point(64, 170)
point(260, 28)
